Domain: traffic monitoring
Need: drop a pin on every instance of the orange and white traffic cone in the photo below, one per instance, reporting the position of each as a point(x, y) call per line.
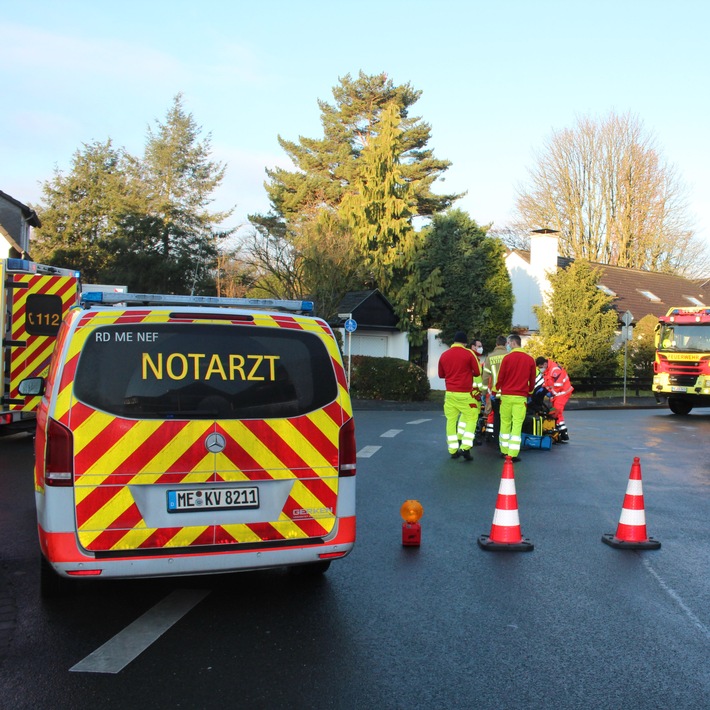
point(631, 531)
point(505, 531)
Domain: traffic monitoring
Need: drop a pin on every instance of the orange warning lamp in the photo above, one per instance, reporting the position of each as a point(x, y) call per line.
point(411, 512)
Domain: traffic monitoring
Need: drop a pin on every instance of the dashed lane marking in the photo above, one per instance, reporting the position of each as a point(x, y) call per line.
point(419, 421)
point(390, 434)
point(368, 451)
point(128, 644)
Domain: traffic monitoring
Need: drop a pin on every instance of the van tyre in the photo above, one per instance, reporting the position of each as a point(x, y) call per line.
point(51, 585)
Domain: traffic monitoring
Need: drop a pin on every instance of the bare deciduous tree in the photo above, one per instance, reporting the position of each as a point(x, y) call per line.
point(605, 187)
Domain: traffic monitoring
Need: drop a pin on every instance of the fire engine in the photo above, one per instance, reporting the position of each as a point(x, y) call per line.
point(34, 299)
point(681, 369)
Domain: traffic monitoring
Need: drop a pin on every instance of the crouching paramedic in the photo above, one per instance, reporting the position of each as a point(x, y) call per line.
point(458, 367)
point(516, 381)
point(559, 390)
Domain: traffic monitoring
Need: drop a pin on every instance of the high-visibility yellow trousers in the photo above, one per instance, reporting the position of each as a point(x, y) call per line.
point(461, 412)
point(513, 408)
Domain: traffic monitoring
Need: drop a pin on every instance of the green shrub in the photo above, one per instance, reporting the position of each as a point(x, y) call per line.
point(387, 378)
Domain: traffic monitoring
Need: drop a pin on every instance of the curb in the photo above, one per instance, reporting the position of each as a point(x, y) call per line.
point(579, 404)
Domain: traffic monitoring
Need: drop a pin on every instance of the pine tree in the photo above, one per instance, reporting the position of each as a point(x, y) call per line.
point(82, 212)
point(327, 168)
point(179, 179)
point(577, 323)
point(380, 212)
point(145, 222)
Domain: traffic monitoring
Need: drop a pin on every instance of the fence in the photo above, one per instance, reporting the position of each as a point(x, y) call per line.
point(601, 384)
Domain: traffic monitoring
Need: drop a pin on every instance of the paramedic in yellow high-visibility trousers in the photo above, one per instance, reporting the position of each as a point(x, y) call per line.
point(516, 381)
point(457, 367)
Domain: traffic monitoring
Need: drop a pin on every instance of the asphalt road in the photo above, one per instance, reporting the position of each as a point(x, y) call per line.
point(572, 624)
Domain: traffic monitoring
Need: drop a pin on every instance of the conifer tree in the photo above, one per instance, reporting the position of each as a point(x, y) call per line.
point(577, 323)
point(380, 212)
point(327, 168)
point(144, 223)
point(179, 179)
point(477, 294)
point(82, 211)
point(373, 168)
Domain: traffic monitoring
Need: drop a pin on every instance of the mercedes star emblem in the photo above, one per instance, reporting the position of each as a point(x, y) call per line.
point(215, 443)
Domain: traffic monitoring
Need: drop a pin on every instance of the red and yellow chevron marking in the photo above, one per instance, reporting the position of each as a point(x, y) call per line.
point(32, 359)
point(124, 467)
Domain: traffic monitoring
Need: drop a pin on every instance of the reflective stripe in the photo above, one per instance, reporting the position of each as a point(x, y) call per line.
point(632, 517)
point(506, 518)
point(507, 487)
point(467, 439)
point(514, 445)
point(634, 487)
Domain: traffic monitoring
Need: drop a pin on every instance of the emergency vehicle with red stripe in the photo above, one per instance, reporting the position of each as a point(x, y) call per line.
point(681, 366)
point(192, 435)
point(34, 298)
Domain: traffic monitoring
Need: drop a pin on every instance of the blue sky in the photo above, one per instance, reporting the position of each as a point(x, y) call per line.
point(497, 78)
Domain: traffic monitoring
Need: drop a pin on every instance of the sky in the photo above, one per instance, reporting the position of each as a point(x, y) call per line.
point(497, 79)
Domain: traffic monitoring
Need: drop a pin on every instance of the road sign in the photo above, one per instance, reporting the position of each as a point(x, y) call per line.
point(350, 325)
point(627, 318)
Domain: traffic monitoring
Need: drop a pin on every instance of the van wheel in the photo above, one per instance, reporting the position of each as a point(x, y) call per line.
point(312, 569)
point(679, 406)
point(51, 585)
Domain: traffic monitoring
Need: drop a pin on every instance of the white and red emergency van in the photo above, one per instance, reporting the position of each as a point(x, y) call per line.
point(192, 435)
point(34, 298)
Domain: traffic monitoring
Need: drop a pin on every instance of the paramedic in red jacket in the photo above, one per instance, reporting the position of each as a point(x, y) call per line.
point(516, 381)
point(559, 389)
point(457, 367)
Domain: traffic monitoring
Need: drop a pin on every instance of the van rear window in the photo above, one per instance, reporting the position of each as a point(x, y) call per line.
point(204, 371)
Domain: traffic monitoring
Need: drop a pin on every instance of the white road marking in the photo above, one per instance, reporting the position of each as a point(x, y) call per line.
point(677, 599)
point(368, 451)
point(419, 421)
point(390, 434)
point(128, 644)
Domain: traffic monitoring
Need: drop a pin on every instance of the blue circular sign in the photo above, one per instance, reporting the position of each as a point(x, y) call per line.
point(350, 325)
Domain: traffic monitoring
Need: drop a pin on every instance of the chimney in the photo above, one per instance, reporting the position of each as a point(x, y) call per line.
point(543, 256)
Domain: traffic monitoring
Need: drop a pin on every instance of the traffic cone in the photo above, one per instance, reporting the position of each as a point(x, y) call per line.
point(505, 531)
point(631, 531)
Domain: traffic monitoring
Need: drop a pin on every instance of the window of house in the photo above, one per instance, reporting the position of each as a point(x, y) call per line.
point(695, 301)
point(650, 295)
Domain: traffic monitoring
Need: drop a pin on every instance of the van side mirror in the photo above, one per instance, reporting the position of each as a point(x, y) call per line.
point(32, 387)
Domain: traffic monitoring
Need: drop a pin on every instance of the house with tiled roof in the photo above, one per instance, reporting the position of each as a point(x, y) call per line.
point(639, 292)
point(16, 223)
point(376, 332)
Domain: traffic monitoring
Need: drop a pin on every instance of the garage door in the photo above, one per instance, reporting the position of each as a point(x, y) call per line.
point(373, 345)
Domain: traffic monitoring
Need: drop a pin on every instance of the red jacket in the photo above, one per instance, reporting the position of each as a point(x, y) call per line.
point(517, 374)
point(458, 366)
point(557, 380)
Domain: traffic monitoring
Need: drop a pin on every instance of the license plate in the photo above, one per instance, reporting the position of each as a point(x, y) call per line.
point(679, 389)
point(196, 499)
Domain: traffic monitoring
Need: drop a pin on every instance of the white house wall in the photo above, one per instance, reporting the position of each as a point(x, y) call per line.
point(436, 348)
point(376, 344)
point(526, 291)
point(530, 279)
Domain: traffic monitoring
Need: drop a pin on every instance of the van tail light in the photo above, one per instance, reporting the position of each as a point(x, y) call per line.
point(348, 453)
point(58, 459)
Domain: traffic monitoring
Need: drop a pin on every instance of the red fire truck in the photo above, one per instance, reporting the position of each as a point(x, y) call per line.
point(681, 370)
point(34, 299)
